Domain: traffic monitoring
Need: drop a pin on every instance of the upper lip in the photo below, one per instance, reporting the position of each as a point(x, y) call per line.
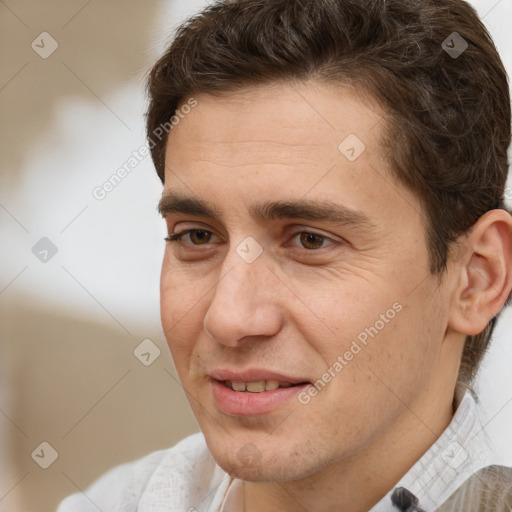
point(253, 375)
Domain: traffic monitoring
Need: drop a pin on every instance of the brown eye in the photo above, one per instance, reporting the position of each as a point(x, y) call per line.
point(311, 240)
point(196, 237)
point(199, 237)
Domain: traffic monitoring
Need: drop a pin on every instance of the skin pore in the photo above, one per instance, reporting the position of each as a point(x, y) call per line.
point(318, 283)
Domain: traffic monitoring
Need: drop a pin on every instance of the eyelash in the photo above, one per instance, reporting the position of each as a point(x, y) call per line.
point(176, 237)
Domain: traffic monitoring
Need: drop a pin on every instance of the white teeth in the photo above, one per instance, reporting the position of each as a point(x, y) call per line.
point(238, 386)
point(257, 386)
point(271, 385)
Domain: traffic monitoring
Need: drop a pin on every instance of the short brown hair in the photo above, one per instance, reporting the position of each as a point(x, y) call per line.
point(447, 115)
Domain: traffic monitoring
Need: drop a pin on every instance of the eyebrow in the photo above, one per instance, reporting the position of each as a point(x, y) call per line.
point(306, 209)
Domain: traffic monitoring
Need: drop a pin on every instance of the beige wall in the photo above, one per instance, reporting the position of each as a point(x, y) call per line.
point(68, 374)
point(77, 385)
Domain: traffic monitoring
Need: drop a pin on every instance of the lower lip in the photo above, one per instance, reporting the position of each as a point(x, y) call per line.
point(239, 403)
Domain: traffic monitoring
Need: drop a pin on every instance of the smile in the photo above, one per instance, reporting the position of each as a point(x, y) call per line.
point(257, 386)
point(255, 397)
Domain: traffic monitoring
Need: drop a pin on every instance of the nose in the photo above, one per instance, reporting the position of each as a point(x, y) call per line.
point(244, 305)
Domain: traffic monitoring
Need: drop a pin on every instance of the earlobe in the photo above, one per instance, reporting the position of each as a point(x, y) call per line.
point(484, 273)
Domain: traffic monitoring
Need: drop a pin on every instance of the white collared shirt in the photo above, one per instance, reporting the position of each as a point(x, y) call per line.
point(449, 477)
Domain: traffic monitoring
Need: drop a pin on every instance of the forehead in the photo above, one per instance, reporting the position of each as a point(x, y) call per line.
point(286, 123)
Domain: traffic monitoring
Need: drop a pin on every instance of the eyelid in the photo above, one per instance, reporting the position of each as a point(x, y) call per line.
point(297, 229)
point(310, 232)
point(177, 236)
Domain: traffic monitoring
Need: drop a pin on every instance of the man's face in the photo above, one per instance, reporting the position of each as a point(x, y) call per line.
point(251, 300)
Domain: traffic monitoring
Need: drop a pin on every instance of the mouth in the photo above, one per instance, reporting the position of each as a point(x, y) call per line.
point(258, 386)
point(254, 392)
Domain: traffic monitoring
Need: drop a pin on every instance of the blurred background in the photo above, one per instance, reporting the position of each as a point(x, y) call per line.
point(86, 381)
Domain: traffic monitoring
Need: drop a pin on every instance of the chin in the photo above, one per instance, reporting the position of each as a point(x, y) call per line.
point(258, 473)
point(250, 465)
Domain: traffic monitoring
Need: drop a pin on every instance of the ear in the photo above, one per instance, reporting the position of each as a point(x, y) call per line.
point(483, 273)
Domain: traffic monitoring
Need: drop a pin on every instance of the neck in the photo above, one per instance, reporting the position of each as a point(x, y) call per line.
point(357, 483)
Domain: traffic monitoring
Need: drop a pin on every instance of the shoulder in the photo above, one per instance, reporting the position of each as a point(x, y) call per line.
point(488, 490)
point(124, 486)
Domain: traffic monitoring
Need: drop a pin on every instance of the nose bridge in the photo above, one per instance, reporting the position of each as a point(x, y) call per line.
point(239, 278)
point(243, 302)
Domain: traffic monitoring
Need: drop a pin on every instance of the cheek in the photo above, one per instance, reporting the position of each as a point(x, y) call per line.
point(372, 327)
point(400, 356)
point(343, 312)
point(180, 312)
